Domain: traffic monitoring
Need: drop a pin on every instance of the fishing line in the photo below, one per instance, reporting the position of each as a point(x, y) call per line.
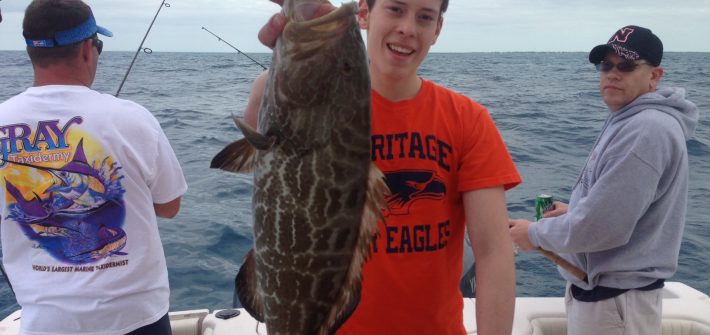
point(233, 47)
point(146, 50)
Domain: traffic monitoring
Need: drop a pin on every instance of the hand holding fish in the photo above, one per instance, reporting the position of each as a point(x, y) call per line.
point(268, 34)
point(273, 28)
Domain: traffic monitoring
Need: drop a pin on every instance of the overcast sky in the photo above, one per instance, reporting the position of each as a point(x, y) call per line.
point(469, 25)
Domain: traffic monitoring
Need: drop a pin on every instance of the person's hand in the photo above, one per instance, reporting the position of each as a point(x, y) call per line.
point(558, 208)
point(270, 32)
point(519, 233)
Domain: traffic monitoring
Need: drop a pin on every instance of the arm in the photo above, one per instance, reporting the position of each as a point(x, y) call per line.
point(169, 209)
point(519, 227)
point(487, 225)
point(251, 113)
point(607, 216)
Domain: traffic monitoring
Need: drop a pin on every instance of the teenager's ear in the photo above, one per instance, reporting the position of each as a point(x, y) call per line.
point(362, 15)
point(438, 29)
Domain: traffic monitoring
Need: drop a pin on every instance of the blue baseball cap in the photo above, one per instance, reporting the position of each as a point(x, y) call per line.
point(70, 36)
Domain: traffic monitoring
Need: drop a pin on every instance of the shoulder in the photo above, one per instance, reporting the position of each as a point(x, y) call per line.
point(121, 103)
point(652, 124)
point(13, 101)
point(123, 111)
point(454, 101)
point(651, 135)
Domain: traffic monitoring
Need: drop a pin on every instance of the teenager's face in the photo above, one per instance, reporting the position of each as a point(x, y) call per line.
point(400, 33)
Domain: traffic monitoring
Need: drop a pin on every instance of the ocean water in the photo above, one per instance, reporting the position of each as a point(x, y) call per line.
point(546, 106)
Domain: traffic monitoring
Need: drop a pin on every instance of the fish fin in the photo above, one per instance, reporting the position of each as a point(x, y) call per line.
point(377, 191)
point(239, 156)
point(259, 141)
point(236, 157)
point(245, 288)
point(345, 314)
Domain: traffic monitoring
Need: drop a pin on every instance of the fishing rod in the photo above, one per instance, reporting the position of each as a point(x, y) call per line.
point(233, 47)
point(146, 50)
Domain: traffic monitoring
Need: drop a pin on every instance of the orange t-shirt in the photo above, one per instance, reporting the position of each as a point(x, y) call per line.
point(431, 149)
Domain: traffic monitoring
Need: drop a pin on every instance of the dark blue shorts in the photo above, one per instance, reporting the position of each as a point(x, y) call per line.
point(160, 327)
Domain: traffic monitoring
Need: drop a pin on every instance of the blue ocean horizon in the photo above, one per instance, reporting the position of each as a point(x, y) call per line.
point(546, 105)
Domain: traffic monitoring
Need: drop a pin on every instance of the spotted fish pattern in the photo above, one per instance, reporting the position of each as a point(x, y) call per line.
point(317, 195)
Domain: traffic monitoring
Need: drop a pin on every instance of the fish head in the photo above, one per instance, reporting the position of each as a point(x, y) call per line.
point(322, 54)
point(319, 79)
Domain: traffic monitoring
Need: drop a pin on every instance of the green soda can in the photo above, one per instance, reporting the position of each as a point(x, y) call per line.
point(543, 203)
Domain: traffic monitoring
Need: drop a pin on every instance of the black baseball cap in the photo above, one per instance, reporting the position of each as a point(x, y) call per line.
point(632, 43)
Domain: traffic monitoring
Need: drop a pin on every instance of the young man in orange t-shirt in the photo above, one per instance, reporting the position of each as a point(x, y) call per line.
point(447, 168)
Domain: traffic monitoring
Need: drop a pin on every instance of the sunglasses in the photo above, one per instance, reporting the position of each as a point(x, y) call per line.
point(99, 44)
point(625, 66)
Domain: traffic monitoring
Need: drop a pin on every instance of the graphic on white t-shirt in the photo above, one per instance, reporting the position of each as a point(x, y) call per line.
point(70, 208)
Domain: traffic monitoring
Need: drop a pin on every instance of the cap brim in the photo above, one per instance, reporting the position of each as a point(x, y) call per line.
point(103, 31)
point(599, 52)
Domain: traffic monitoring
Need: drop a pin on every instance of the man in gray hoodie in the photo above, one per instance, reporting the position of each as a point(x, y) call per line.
point(626, 214)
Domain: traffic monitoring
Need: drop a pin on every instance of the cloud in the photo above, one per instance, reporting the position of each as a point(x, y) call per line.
point(469, 25)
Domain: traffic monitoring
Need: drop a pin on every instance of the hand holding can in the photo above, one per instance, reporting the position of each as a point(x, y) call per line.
point(543, 203)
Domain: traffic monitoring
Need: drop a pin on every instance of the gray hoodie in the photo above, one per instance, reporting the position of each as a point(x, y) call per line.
point(626, 214)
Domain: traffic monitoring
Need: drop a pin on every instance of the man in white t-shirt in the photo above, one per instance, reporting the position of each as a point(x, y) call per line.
point(83, 176)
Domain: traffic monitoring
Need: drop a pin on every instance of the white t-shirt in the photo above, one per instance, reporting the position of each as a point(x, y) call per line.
point(80, 172)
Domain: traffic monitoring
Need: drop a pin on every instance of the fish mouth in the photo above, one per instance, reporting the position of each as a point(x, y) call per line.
point(344, 11)
point(303, 38)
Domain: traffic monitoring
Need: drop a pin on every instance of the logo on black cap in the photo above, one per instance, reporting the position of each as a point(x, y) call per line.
point(622, 35)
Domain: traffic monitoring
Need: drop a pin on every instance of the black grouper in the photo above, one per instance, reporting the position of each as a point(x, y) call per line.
point(317, 195)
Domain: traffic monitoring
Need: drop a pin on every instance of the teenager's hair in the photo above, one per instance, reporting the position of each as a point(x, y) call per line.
point(442, 10)
point(43, 18)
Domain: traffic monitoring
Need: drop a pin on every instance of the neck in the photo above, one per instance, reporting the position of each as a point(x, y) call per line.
point(397, 89)
point(60, 75)
point(78, 70)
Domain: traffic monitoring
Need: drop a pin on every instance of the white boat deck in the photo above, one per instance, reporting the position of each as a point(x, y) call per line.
point(686, 311)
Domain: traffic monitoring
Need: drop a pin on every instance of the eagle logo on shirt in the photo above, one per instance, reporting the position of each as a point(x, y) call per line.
point(410, 186)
